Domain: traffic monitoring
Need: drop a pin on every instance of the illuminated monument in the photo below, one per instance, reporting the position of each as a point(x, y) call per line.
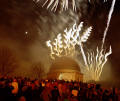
point(65, 45)
point(65, 68)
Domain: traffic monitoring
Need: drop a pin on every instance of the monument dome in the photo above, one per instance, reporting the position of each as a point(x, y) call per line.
point(65, 68)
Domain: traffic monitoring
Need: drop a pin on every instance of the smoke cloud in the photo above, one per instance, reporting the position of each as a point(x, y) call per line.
point(21, 16)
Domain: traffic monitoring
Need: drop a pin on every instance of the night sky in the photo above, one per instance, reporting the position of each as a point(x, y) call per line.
point(25, 26)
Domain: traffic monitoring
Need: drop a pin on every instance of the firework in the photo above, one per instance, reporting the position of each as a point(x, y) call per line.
point(84, 38)
point(56, 47)
point(103, 0)
point(108, 22)
point(53, 4)
point(96, 61)
point(65, 45)
point(48, 43)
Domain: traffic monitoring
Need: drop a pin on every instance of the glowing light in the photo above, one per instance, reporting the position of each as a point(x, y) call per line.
point(26, 33)
point(53, 4)
point(65, 45)
point(58, 45)
point(48, 43)
point(96, 62)
point(108, 22)
point(86, 34)
point(60, 77)
point(84, 38)
point(103, 0)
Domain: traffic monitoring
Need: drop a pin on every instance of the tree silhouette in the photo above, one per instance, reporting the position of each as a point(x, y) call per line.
point(8, 61)
point(38, 70)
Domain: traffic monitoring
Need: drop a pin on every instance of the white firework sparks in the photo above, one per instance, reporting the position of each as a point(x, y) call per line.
point(108, 22)
point(103, 0)
point(53, 4)
point(56, 47)
point(84, 38)
point(96, 61)
point(64, 46)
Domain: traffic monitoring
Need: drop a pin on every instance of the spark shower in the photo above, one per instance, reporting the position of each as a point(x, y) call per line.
point(53, 4)
point(65, 46)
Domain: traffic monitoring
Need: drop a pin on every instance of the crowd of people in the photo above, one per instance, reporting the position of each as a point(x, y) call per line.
point(24, 89)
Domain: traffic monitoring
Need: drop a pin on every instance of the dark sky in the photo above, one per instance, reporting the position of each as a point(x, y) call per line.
point(20, 16)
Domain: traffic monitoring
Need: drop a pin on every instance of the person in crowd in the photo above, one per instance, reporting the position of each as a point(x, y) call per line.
point(25, 89)
point(55, 94)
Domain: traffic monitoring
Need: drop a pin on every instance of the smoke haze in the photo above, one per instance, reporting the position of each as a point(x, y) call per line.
point(20, 16)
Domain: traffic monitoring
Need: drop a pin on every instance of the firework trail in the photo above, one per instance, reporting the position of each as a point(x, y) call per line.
point(53, 4)
point(83, 54)
point(82, 39)
point(64, 4)
point(96, 61)
point(93, 61)
point(64, 46)
point(108, 22)
point(103, 0)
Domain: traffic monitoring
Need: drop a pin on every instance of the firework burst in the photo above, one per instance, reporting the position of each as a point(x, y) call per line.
point(96, 61)
point(65, 45)
point(108, 21)
point(53, 4)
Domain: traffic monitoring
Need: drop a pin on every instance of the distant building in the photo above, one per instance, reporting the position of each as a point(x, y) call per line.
point(65, 68)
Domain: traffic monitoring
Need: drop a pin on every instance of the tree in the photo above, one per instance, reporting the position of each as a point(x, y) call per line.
point(38, 70)
point(8, 61)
